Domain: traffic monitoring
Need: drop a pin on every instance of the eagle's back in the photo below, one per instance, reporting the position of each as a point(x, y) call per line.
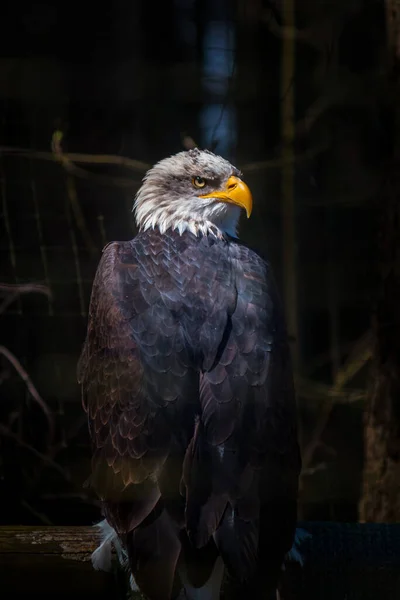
point(187, 383)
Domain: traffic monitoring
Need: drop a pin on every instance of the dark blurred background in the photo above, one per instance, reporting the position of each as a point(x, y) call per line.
point(301, 95)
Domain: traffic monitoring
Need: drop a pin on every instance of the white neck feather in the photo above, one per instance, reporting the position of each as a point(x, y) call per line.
point(216, 218)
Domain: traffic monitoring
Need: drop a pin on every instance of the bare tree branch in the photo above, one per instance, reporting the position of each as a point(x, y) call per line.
point(25, 288)
point(279, 162)
point(43, 457)
point(313, 470)
point(320, 392)
point(98, 159)
point(32, 390)
point(72, 169)
point(39, 515)
point(71, 191)
point(14, 290)
point(358, 357)
point(94, 159)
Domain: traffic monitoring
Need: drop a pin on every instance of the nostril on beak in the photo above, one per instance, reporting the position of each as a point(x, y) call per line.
point(232, 185)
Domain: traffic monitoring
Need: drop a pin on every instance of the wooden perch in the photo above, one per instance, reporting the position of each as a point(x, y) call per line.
point(337, 560)
point(51, 562)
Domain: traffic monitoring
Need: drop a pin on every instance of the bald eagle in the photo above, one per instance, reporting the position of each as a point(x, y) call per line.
point(187, 383)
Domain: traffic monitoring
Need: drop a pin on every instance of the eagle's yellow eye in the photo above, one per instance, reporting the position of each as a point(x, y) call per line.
point(198, 182)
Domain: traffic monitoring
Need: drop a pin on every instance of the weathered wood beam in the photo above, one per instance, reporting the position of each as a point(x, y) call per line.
point(338, 560)
point(51, 561)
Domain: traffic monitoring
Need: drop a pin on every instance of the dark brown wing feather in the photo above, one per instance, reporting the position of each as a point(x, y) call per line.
point(242, 468)
point(156, 316)
point(183, 329)
point(123, 425)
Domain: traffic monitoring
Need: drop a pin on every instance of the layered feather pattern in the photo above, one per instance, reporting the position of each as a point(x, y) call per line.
point(187, 382)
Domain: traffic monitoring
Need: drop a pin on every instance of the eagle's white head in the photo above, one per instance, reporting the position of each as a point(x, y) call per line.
point(195, 191)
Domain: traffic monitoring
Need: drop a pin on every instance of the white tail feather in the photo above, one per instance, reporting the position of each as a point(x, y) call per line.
point(102, 556)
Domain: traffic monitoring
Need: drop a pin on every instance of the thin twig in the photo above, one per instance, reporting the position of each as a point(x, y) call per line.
point(39, 228)
point(325, 358)
point(46, 459)
point(276, 163)
point(71, 433)
point(106, 159)
point(12, 359)
point(71, 191)
point(317, 391)
point(36, 513)
point(79, 157)
point(7, 224)
point(72, 169)
point(14, 290)
point(7, 302)
point(78, 215)
point(25, 288)
point(313, 470)
point(358, 357)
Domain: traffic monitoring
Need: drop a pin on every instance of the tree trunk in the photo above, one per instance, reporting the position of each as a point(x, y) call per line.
point(380, 499)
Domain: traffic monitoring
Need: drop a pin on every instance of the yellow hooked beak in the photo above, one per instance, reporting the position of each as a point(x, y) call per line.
point(235, 192)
